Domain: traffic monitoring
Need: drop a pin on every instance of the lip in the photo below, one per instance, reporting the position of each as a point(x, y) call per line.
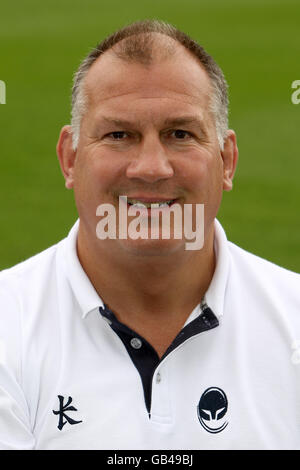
point(152, 198)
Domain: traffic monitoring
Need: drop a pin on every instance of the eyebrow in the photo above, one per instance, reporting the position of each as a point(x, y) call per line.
point(176, 121)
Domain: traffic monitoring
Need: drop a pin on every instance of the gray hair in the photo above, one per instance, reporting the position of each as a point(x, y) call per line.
point(141, 49)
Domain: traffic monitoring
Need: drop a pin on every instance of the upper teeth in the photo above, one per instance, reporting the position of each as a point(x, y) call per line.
point(138, 203)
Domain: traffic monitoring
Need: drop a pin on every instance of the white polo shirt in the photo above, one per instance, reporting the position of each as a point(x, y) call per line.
point(73, 377)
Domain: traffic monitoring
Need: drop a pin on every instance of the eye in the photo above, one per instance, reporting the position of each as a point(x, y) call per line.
point(181, 134)
point(117, 135)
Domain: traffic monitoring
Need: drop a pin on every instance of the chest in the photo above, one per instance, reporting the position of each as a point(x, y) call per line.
point(205, 395)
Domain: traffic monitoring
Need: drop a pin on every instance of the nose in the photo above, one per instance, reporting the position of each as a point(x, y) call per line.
point(152, 162)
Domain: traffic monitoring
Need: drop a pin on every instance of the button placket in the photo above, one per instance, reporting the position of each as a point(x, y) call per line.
point(161, 397)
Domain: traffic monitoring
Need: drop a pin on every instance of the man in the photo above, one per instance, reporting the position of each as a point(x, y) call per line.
point(120, 342)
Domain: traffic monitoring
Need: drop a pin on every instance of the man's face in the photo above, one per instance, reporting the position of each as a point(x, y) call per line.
point(148, 135)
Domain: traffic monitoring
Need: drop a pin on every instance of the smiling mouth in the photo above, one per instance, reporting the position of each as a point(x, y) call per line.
point(153, 204)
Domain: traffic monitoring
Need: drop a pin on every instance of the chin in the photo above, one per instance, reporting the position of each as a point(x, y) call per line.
point(160, 247)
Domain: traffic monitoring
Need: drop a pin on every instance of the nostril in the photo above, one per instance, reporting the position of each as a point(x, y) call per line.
point(149, 171)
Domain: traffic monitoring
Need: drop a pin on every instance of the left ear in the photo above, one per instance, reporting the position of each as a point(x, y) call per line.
point(230, 157)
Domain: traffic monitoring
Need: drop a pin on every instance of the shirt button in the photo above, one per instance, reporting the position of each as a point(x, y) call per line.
point(136, 343)
point(158, 378)
point(206, 320)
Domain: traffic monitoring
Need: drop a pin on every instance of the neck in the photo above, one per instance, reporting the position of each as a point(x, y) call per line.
point(142, 288)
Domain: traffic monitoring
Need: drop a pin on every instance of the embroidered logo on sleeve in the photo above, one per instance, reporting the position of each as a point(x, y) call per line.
point(61, 412)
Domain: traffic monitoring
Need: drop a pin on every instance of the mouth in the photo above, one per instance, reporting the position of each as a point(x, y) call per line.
point(141, 203)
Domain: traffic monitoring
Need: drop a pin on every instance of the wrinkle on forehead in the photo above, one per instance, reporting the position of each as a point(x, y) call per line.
point(179, 78)
point(134, 99)
point(139, 115)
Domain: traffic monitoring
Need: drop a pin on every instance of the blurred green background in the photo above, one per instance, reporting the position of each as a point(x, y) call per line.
point(256, 43)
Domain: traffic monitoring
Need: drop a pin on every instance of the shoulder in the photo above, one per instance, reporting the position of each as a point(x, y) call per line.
point(30, 265)
point(29, 273)
point(21, 283)
point(263, 274)
point(21, 287)
point(245, 258)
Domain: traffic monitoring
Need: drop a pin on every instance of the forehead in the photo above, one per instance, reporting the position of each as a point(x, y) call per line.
point(178, 81)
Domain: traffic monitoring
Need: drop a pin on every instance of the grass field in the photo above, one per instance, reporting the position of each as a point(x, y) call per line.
point(256, 43)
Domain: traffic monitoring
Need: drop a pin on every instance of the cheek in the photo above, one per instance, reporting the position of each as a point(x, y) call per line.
point(86, 182)
point(95, 175)
point(203, 171)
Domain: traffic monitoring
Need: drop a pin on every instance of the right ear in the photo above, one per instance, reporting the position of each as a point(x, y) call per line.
point(66, 155)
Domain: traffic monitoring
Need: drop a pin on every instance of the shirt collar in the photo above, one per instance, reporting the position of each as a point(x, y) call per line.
point(215, 294)
point(89, 299)
point(83, 290)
